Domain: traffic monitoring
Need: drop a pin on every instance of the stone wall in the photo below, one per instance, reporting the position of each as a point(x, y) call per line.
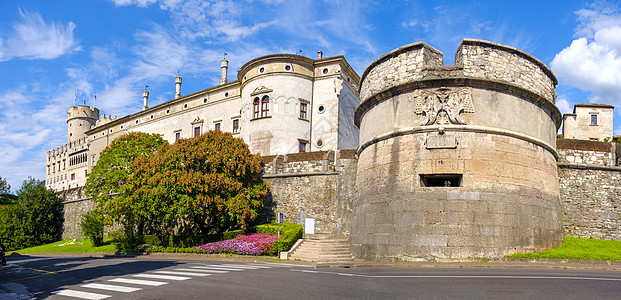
point(319, 183)
point(585, 152)
point(483, 59)
point(591, 199)
point(75, 205)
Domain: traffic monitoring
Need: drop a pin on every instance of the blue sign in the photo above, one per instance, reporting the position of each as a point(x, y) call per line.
point(281, 218)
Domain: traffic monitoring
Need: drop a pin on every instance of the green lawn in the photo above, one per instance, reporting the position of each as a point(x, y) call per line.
point(577, 248)
point(70, 246)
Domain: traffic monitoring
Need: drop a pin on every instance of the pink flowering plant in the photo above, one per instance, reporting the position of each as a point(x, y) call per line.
point(253, 244)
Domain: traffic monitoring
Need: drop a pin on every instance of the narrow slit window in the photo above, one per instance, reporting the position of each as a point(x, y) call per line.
point(441, 180)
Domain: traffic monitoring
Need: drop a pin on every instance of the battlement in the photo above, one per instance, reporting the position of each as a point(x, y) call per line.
point(103, 120)
point(83, 111)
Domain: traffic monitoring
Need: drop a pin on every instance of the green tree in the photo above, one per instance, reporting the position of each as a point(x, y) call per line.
point(35, 216)
point(116, 163)
point(5, 193)
point(199, 185)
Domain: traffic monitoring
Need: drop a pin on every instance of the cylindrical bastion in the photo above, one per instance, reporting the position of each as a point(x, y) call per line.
point(456, 161)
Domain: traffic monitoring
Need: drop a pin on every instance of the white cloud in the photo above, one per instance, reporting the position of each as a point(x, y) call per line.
point(33, 38)
point(139, 3)
point(592, 62)
point(564, 106)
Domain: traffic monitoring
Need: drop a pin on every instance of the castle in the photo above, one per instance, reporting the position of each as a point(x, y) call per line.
point(414, 159)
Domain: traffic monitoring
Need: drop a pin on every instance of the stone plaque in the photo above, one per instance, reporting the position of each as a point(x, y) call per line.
point(441, 142)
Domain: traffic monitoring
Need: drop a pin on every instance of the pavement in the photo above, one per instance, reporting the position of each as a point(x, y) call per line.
point(16, 291)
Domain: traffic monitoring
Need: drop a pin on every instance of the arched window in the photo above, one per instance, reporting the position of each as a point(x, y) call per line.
point(265, 106)
point(256, 107)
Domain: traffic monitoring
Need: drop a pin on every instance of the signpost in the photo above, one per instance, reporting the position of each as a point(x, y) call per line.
point(281, 219)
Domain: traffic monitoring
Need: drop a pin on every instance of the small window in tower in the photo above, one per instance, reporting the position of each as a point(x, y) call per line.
point(226, 94)
point(256, 104)
point(151, 117)
point(321, 109)
point(136, 121)
point(441, 180)
point(185, 105)
point(287, 68)
point(302, 145)
point(205, 100)
point(593, 120)
point(236, 126)
point(168, 111)
point(325, 70)
point(265, 106)
point(303, 111)
point(261, 70)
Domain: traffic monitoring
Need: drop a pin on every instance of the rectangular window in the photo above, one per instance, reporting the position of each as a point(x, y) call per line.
point(72, 176)
point(303, 109)
point(441, 180)
point(177, 136)
point(216, 126)
point(236, 126)
point(197, 131)
point(93, 161)
point(302, 146)
point(593, 120)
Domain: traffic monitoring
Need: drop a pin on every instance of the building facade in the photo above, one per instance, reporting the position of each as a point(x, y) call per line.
point(589, 121)
point(280, 104)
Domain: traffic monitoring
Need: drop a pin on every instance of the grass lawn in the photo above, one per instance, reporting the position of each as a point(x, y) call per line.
point(577, 248)
point(70, 246)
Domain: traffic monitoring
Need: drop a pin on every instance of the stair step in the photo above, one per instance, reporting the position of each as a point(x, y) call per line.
point(323, 250)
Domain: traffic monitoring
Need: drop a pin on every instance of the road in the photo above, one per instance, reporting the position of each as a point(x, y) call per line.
point(152, 278)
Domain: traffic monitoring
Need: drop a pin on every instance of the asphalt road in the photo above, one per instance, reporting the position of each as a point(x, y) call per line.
point(150, 278)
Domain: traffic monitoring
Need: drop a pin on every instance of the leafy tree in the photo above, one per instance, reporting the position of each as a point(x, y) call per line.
point(5, 196)
point(204, 184)
point(34, 219)
point(92, 226)
point(116, 163)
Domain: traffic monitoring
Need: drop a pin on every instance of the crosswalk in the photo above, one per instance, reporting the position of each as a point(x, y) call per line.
point(136, 282)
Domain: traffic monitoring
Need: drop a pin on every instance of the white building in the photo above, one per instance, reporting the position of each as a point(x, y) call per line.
point(589, 121)
point(280, 104)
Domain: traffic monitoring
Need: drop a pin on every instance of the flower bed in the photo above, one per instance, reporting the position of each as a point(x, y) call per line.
point(253, 244)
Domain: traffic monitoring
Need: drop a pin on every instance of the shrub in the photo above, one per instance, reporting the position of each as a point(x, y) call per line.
point(253, 244)
point(92, 227)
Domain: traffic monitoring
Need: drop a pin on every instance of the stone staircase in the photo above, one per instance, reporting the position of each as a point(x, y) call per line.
point(322, 250)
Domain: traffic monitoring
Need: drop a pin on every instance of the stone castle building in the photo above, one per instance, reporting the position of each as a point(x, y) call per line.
point(414, 159)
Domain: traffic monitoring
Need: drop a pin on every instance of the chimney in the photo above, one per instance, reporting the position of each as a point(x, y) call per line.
point(145, 97)
point(224, 64)
point(319, 54)
point(177, 86)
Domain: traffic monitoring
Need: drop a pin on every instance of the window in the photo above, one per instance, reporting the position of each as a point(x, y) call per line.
point(441, 180)
point(72, 176)
point(303, 109)
point(177, 136)
point(216, 126)
point(302, 146)
point(236, 126)
point(197, 131)
point(593, 120)
point(265, 106)
point(256, 107)
point(93, 160)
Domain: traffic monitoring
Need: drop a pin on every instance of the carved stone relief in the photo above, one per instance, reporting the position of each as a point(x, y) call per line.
point(443, 105)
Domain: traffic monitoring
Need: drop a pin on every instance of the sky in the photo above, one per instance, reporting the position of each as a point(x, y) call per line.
point(53, 53)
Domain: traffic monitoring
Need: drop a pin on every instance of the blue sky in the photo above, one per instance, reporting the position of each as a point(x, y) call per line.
point(51, 50)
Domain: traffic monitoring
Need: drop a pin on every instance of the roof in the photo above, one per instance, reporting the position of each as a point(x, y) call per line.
point(598, 105)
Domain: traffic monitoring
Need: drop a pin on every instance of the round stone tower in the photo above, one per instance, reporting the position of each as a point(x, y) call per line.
point(456, 161)
point(272, 89)
point(79, 120)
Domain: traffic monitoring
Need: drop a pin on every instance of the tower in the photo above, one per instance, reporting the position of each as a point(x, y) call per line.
point(224, 65)
point(177, 86)
point(79, 120)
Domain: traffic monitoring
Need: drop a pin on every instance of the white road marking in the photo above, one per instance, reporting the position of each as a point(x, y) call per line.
point(138, 281)
point(462, 276)
point(81, 295)
point(110, 287)
point(260, 266)
point(241, 267)
point(216, 268)
point(166, 277)
point(182, 273)
point(194, 269)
